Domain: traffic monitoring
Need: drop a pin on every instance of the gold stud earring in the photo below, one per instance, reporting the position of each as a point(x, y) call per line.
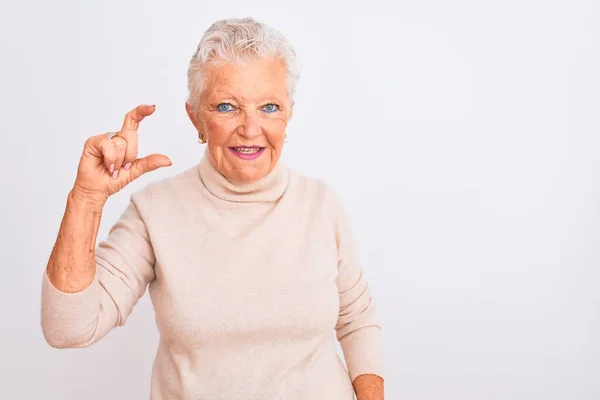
point(201, 138)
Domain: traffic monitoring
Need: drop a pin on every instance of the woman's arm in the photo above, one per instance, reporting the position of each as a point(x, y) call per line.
point(87, 291)
point(71, 267)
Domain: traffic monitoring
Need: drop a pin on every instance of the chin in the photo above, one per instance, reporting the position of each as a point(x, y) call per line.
point(246, 174)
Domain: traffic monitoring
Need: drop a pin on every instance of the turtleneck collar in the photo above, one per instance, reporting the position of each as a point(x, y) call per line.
point(267, 189)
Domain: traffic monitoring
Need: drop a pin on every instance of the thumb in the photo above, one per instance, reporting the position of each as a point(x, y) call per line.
point(149, 163)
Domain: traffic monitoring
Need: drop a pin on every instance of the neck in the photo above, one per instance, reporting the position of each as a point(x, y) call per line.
point(266, 189)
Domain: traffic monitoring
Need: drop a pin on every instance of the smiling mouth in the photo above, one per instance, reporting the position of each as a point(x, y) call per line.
point(247, 152)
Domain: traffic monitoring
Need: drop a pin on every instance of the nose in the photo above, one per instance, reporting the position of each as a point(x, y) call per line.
point(250, 126)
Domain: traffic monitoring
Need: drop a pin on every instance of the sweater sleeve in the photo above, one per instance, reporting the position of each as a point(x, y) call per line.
point(124, 267)
point(357, 329)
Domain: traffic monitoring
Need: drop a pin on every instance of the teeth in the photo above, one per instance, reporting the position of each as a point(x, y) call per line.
point(246, 150)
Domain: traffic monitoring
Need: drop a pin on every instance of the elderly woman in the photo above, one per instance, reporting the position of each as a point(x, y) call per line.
point(250, 266)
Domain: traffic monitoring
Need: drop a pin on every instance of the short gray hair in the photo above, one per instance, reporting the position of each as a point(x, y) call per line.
point(236, 41)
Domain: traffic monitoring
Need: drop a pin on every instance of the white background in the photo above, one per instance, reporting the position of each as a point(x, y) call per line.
point(463, 138)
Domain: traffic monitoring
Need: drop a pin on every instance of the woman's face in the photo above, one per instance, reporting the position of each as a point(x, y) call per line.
point(244, 111)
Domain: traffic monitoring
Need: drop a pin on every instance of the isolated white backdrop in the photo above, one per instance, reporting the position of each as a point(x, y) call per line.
point(463, 138)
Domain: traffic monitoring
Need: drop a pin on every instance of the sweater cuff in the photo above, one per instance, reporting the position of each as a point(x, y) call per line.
point(362, 351)
point(80, 302)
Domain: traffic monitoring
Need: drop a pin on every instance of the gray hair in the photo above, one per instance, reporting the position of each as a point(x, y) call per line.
point(236, 41)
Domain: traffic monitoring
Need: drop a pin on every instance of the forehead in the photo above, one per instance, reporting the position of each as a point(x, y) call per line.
point(266, 77)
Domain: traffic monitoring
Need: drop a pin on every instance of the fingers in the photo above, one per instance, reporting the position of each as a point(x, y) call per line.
point(135, 116)
point(110, 151)
point(131, 151)
point(120, 146)
point(113, 153)
point(149, 163)
point(119, 153)
point(105, 149)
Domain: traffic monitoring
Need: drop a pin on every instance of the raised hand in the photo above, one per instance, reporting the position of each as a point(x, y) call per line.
point(108, 164)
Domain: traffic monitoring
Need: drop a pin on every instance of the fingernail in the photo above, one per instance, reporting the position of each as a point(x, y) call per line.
point(127, 166)
point(111, 168)
point(115, 174)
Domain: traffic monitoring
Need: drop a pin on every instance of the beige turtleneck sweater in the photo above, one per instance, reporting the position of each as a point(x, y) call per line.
point(249, 284)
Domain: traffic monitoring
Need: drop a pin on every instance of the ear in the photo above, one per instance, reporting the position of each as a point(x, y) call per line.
point(190, 113)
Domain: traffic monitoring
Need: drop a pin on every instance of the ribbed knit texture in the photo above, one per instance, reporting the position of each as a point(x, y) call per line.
point(251, 284)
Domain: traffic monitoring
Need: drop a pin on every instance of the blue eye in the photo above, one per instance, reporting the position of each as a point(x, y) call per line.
point(270, 108)
point(224, 107)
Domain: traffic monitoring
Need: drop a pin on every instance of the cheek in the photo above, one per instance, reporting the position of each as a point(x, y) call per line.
point(275, 130)
point(220, 131)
